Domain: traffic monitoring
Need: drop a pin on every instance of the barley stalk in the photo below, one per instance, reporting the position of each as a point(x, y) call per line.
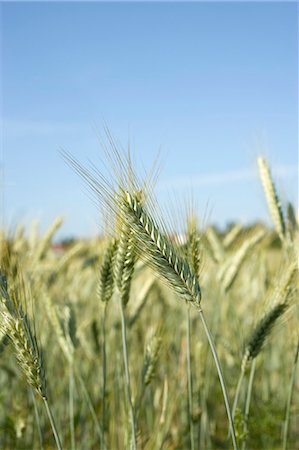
point(289, 399)
point(172, 267)
point(248, 401)
point(27, 352)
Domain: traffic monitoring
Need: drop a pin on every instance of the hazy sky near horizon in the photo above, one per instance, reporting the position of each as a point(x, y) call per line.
point(210, 85)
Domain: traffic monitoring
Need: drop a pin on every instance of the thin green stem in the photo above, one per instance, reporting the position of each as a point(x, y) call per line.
point(53, 425)
point(40, 435)
point(92, 411)
point(127, 375)
point(289, 400)
point(221, 379)
point(189, 375)
point(104, 369)
point(205, 435)
point(248, 400)
point(71, 406)
point(237, 393)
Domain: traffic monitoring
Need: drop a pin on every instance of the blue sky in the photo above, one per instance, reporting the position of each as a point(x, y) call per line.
point(210, 84)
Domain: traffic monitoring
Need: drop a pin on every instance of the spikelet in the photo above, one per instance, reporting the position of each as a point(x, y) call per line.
point(106, 279)
point(161, 254)
point(273, 201)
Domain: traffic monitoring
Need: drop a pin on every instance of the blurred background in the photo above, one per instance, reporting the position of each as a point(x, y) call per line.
point(209, 85)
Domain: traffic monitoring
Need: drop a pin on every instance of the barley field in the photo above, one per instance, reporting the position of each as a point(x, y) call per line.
point(141, 339)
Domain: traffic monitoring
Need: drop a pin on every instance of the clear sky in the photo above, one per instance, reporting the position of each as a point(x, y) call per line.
point(210, 84)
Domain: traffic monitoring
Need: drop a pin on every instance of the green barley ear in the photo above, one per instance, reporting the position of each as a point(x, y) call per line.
point(28, 353)
point(125, 262)
point(106, 279)
point(273, 200)
point(126, 255)
point(159, 251)
point(151, 359)
point(266, 323)
point(293, 226)
point(193, 245)
point(16, 325)
point(261, 331)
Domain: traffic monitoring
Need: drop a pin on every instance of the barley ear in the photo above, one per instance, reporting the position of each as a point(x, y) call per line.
point(260, 333)
point(16, 325)
point(193, 245)
point(273, 200)
point(125, 262)
point(159, 252)
point(150, 359)
point(106, 278)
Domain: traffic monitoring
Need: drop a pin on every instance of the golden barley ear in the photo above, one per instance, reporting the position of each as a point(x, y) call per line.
point(274, 203)
point(17, 326)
